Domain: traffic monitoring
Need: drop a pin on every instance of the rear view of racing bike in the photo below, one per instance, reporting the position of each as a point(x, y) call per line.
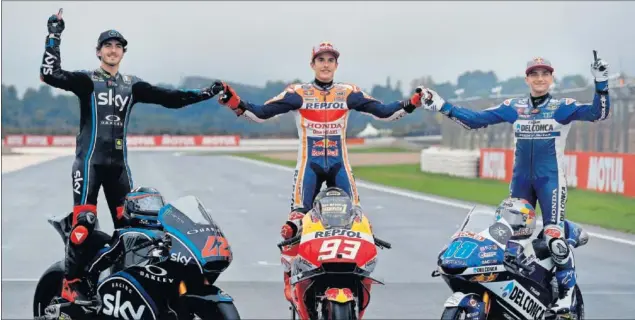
point(163, 273)
point(494, 277)
point(331, 275)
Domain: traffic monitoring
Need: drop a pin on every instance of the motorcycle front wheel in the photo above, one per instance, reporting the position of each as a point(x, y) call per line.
point(453, 313)
point(338, 311)
point(223, 310)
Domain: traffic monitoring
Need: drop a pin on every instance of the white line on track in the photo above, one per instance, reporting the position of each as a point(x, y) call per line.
point(418, 196)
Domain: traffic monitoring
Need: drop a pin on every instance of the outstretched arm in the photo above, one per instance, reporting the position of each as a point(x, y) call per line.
point(470, 119)
point(362, 102)
point(284, 102)
point(51, 71)
point(571, 110)
point(169, 98)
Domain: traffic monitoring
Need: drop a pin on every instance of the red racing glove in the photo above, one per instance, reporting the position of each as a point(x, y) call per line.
point(230, 99)
point(293, 225)
point(416, 97)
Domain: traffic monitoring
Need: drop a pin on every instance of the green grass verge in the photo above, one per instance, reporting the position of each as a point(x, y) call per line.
point(377, 150)
point(605, 210)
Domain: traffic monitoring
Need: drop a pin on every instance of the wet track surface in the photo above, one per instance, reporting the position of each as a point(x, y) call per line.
point(417, 230)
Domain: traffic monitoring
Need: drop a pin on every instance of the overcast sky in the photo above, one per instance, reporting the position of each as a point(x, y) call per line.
point(252, 42)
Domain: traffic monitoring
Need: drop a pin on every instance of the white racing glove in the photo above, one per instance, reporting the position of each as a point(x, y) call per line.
point(600, 70)
point(430, 100)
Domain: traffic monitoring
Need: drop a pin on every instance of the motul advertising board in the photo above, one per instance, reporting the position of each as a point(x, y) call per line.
point(601, 172)
point(132, 141)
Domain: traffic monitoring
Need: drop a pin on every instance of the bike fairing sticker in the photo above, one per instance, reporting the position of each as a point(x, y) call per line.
point(198, 263)
point(126, 277)
point(176, 234)
point(513, 293)
point(463, 252)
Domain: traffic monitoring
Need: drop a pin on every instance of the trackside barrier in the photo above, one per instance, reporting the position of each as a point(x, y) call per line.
point(132, 141)
point(160, 141)
point(601, 172)
point(461, 163)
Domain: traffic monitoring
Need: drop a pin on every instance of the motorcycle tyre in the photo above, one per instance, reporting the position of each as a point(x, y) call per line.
point(580, 304)
point(223, 310)
point(48, 287)
point(338, 311)
point(452, 313)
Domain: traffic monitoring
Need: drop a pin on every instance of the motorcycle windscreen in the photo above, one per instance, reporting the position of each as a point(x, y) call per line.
point(196, 233)
point(469, 248)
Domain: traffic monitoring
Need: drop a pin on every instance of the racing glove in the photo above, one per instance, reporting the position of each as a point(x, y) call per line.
point(430, 99)
point(55, 25)
point(214, 89)
point(415, 100)
point(230, 99)
point(413, 103)
point(600, 71)
point(293, 225)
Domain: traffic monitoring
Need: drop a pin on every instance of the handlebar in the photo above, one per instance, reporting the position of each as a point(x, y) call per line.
point(382, 243)
point(163, 242)
point(291, 241)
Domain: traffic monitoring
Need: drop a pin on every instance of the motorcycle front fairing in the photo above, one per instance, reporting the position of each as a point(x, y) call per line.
point(333, 263)
point(198, 242)
point(321, 248)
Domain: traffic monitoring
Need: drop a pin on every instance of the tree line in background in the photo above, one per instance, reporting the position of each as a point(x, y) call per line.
point(41, 112)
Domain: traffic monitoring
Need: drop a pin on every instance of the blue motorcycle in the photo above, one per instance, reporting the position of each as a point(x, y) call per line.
point(493, 277)
point(164, 272)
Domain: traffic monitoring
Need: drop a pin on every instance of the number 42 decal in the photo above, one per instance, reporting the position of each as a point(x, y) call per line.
point(216, 246)
point(332, 247)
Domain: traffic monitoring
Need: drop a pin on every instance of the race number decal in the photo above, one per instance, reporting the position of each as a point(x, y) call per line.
point(215, 246)
point(459, 250)
point(344, 249)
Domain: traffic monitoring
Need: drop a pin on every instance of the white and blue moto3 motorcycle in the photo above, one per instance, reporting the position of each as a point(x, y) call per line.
point(493, 277)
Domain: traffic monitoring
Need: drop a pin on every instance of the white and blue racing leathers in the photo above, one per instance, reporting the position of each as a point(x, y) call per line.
point(540, 134)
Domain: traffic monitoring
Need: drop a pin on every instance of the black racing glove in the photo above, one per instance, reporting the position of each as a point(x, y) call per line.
point(55, 24)
point(214, 89)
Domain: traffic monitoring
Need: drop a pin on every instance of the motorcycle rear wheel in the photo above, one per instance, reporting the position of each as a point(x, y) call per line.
point(48, 287)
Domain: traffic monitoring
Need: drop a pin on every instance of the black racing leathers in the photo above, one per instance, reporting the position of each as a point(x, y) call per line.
point(105, 104)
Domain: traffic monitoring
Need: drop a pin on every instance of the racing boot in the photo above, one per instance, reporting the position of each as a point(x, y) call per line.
point(289, 230)
point(74, 288)
point(562, 308)
point(77, 291)
point(562, 255)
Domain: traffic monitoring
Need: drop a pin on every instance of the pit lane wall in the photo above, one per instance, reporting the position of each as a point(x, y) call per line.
point(595, 171)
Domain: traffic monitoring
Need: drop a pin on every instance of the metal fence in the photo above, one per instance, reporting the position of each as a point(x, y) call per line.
point(615, 134)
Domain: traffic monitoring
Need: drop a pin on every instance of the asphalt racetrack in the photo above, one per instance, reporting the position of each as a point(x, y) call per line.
point(417, 229)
